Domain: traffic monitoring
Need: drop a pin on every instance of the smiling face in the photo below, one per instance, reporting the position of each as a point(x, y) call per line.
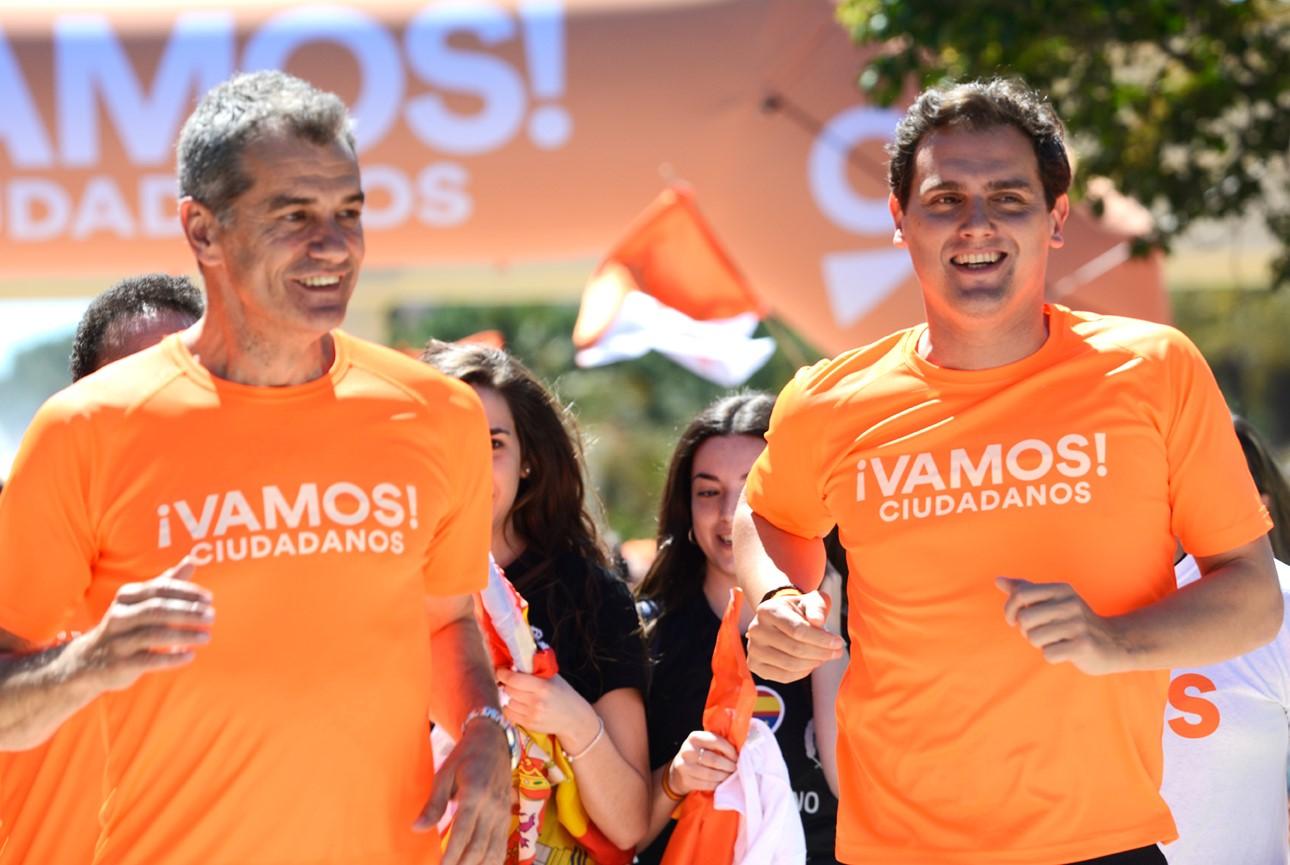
point(291, 245)
point(977, 227)
point(721, 464)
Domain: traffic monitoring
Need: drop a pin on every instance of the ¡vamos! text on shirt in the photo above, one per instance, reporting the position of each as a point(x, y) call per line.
point(917, 486)
point(312, 522)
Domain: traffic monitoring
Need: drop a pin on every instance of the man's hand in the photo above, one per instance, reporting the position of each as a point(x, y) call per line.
point(787, 638)
point(1054, 618)
point(477, 776)
point(153, 625)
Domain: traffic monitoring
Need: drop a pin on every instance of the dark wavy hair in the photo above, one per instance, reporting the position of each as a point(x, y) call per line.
point(550, 513)
point(975, 106)
point(134, 296)
point(675, 577)
point(1270, 482)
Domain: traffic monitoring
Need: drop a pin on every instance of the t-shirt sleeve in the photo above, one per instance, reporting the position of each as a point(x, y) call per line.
point(786, 483)
point(47, 534)
point(457, 562)
point(1214, 504)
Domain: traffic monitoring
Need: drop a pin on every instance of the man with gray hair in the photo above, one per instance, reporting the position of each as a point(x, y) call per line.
point(330, 497)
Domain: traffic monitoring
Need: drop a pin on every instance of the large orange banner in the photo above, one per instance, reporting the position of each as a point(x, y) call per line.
point(500, 132)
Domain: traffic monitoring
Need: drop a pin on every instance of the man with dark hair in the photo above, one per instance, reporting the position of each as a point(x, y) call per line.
point(1008, 479)
point(330, 497)
point(131, 316)
point(50, 798)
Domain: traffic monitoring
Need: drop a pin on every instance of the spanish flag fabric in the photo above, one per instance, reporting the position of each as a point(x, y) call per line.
point(549, 824)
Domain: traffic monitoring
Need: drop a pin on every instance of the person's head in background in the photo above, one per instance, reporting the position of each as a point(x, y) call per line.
point(706, 474)
point(539, 492)
point(1270, 482)
point(132, 315)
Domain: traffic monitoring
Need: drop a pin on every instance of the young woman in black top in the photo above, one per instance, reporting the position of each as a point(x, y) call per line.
point(547, 544)
point(683, 596)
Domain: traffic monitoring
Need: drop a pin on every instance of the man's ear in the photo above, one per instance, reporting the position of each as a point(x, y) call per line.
point(201, 230)
point(1061, 210)
point(898, 217)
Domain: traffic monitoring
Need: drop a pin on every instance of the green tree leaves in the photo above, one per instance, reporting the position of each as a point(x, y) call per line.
point(1182, 104)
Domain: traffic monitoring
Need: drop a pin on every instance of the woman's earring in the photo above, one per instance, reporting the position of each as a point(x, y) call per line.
point(690, 534)
point(524, 471)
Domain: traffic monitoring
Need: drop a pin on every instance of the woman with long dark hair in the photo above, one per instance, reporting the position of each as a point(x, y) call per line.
point(684, 595)
point(548, 545)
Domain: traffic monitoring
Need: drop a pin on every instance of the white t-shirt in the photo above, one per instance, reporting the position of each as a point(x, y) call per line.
point(1226, 741)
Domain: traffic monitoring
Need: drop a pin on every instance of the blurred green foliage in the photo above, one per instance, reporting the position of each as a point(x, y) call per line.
point(1184, 105)
point(1243, 335)
point(630, 413)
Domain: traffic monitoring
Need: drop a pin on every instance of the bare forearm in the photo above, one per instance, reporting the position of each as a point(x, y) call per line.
point(1234, 608)
point(767, 557)
point(825, 682)
point(611, 775)
point(661, 807)
point(462, 677)
point(38, 692)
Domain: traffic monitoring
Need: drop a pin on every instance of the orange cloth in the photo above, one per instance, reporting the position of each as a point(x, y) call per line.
point(1080, 463)
point(704, 834)
point(320, 516)
point(671, 253)
point(50, 796)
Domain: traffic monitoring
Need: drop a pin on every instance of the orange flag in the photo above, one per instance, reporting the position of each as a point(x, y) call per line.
point(670, 286)
point(704, 835)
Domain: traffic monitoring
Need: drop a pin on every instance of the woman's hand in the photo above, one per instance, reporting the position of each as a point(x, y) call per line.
point(548, 706)
point(704, 761)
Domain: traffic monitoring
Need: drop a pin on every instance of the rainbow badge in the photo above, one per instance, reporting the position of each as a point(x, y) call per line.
point(769, 707)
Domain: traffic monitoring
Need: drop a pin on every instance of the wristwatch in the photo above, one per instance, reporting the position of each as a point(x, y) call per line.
point(496, 716)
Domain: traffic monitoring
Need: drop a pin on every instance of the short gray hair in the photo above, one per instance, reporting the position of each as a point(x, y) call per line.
point(233, 114)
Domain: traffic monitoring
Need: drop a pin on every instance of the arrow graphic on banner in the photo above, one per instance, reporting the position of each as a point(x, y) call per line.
point(858, 281)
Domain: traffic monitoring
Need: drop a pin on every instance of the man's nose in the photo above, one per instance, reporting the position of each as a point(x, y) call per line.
point(329, 244)
point(977, 220)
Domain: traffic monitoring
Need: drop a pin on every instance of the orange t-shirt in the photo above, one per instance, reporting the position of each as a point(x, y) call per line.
point(50, 795)
point(320, 516)
point(958, 744)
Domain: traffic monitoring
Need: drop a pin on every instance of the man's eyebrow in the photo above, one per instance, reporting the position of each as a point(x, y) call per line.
point(1010, 183)
point(278, 202)
point(993, 185)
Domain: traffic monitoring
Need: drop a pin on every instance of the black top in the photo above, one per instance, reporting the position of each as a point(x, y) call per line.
point(562, 608)
point(681, 648)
